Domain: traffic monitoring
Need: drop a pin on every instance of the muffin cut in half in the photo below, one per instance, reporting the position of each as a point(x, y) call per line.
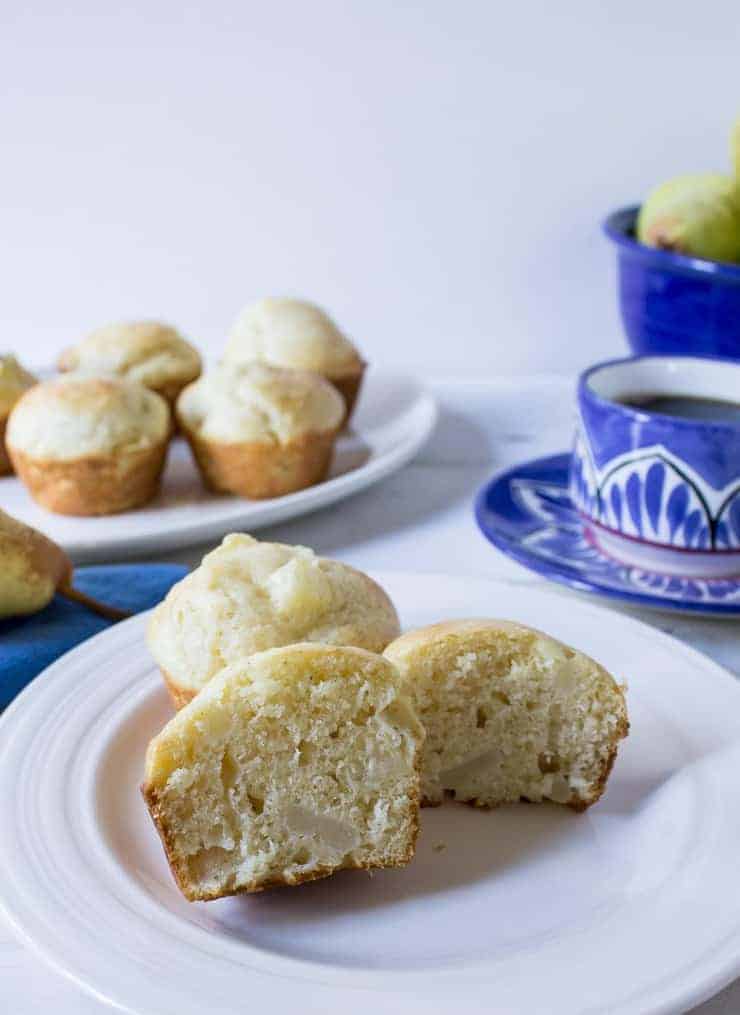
point(14, 381)
point(149, 352)
point(509, 714)
point(89, 445)
point(291, 765)
point(248, 596)
point(297, 334)
point(260, 431)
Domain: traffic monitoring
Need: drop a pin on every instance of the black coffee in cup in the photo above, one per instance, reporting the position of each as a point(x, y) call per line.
point(708, 410)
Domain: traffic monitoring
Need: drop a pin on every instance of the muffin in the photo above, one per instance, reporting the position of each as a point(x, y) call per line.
point(248, 596)
point(293, 333)
point(260, 431)
point(151, 353)
point(32, 568)
point(509, 713)
point(291, 765)
point(14, 380)
point(89, 445)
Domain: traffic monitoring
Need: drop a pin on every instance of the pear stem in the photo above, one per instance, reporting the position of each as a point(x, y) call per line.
point(102, 609)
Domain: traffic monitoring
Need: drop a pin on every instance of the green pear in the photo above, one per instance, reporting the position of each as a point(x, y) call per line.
point(33, 569)
point(698, 215)
point(735, 151)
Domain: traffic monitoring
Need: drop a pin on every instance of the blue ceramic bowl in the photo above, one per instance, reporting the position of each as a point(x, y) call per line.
point(657, 491)
point(672, 304)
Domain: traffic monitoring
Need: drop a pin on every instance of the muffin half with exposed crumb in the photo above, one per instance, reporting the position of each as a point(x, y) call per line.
point(149, 352)
point(14, 381)
point(247, 596)
point(89, 445)
point(260, 431)
point(510, 714)
point(297, 334)
point(290, 765)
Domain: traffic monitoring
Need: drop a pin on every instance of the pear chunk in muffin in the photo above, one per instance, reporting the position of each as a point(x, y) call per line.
point(290, 765)
point(510, 714)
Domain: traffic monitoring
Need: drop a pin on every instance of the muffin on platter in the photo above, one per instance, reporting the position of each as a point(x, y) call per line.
point(152, 353)
point(247, 596)
point(297, 334)
point(14, 380)
point(89, 445)
point(260, 431)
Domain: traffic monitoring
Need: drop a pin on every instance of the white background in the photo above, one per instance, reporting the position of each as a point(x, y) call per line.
point(434, 173)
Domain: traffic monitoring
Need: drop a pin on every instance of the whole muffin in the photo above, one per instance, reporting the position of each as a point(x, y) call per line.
point(297, 334)
point(14, 380)
point(247, 596)
point(89, 445)
point(149, 352)
point(259, 431)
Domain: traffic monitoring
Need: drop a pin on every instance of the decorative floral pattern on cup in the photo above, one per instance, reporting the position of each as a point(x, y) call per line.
point(656, 478)
point(649, 496)
point(557, 534)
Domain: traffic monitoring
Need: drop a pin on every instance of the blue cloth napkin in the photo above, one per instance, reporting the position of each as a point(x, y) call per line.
point(29, 644)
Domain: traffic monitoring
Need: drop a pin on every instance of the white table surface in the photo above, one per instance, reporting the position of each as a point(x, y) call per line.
point(420, 519)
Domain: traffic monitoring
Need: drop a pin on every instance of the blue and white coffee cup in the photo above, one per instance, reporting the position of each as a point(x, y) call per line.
point(658, 491)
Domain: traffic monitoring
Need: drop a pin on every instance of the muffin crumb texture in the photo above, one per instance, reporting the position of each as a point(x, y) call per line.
point(290, 765)
point(510, 714)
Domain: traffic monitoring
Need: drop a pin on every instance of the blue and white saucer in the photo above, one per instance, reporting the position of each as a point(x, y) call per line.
point(528, 514)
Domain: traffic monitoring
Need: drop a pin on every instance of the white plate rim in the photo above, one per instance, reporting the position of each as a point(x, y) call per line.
point(696, 987)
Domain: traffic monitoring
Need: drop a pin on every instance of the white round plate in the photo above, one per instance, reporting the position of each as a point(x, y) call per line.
point(393, 419)
point(631, 907)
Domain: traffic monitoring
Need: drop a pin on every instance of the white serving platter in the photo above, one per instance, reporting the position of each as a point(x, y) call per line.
point(632, 908)
point(393, 419)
